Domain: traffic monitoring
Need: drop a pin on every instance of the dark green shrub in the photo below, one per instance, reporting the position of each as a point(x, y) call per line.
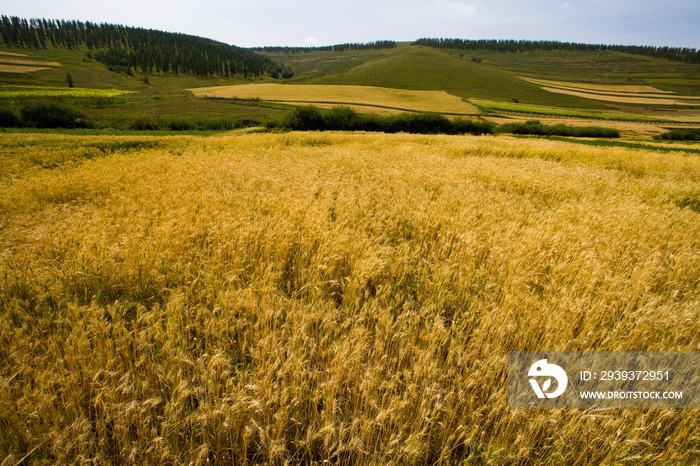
point(273, 123)
point(462, 126)
point(534, 127)
point(145, 124)
point(305, 119)
point(343, 119)
point(681, 135)
point(52, 115)
point(8, 119)
point(418, 123)
point(215, 125)
point(372, 122)
point(180, 125)
point(347, 119)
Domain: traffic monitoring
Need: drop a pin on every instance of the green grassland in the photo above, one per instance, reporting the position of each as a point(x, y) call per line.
point(307, 65)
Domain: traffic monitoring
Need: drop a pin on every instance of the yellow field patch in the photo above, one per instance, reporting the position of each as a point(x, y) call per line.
point(21, 69)
point(399, 99)
point(10, 54)
point(627, 99)
point(356, 107)
point(615, 88)
point(13, 61)
point(38, 91)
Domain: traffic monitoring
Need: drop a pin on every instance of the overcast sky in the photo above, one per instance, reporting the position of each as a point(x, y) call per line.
point(323, 22)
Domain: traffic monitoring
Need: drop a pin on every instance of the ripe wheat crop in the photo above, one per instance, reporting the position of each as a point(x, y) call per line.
point(333, 298)
point(369, 96)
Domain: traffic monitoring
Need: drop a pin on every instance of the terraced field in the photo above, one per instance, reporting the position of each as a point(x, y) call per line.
point(554, 111)
point(19, 63)
point(600, 88)
point(369, 97)
point(16, 69)
point(422, 68)
point(627, 94)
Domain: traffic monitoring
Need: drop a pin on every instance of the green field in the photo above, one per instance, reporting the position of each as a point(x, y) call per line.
point(306, 65)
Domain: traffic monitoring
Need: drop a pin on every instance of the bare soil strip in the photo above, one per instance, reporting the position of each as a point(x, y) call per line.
point(21, 69)
point(11, 61)
point(13, 54)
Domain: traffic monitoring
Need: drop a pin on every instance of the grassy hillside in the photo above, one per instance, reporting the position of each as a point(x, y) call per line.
point(594, 67)
point(306, 65)
point(295, 298)
point(423, 68)
point(164, 97)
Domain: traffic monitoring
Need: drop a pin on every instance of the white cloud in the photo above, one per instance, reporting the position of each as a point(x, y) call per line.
point(564, 6)
point(311, 41)
point(455, 8)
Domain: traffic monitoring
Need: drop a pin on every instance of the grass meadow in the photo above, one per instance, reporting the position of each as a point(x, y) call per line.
point(329, 298)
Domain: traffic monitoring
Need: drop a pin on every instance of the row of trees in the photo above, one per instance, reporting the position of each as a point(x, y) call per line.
point(377, 45)
point(122, 48)
point(683, 54)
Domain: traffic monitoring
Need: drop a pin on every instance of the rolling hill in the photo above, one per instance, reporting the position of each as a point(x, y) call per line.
point(37, 56)
point(423, 68)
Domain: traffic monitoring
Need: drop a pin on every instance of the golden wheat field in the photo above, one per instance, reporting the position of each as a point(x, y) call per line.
point(329, 298)
point(368, 96)
point(602, 88)
point(626, 98)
